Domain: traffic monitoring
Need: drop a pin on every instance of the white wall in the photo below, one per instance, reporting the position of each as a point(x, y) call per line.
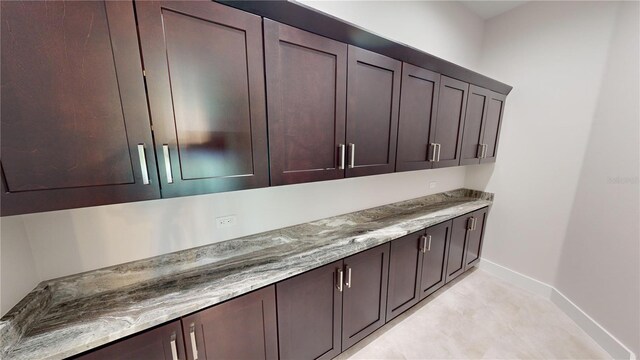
point(71, 241)
point(599, 268)
point(570, 133)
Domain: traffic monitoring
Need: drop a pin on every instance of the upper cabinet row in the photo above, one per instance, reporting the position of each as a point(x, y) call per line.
point(83, 124)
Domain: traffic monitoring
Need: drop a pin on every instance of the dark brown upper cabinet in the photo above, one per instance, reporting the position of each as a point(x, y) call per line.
point(418, 109)
point(241, 328)
point(481, 126)
point(162, 343)
point(365, 294)
point(205, 81)
point(306, 100)
point(75, 126)
point(373, 96)
point(446, 137)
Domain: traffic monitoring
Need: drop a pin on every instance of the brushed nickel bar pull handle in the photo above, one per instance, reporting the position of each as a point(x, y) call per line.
point(429, 244)
point(348, 283)
point(480, 151)
point(439, 148)
point(343, 150)
point(143, 164)
point(174, 349)
point(340, 279)
point(167, 163)
point(475, 223)
point(352, 156)
point(194, 346)
point(423, 245)
point(433, 152)
point(470, 223)
point(484, 152)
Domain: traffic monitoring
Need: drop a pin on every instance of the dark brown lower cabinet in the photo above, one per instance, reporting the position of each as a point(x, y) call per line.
point(162, 343)
point(475, 236)
point(242, 328)
point(405, 264)
point(435, 258)
point(466, 241)
point(365, 294)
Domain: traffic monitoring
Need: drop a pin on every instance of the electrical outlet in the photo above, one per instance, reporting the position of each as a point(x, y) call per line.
point(226, 221)
point(432, 185)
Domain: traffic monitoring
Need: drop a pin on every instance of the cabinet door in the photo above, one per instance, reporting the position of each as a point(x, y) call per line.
point(452, 103)
point(457, 246)
point(306, 99)
point(405, 264)
point(75, 127)
point(473, 125)
point(418, 108)
point(205, 79)
point(492, 126)
point(365, 294)
point(474, 241)
point(373, 96)
point(309, 312)
point(434, 264)
point(164, 342)
point(242, 328)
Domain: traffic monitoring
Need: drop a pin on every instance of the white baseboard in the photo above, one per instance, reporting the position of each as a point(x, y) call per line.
point(598, 333)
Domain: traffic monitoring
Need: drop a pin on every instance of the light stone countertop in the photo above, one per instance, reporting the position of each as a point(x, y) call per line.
point(67, 316)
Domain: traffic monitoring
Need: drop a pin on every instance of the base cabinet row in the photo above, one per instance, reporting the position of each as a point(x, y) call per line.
point(321, 313)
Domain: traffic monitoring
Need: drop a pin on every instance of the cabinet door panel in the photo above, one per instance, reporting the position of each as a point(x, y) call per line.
point(242, 328)
point(452, 103)
point(474, 241)
point(457, 246)
point(306, 97)
point(309, 312)
point(150, 345)
point(372, 112)
point(73, 107)
point(495, 109)
point(365, 296)
point(206, 92)
point(434, 264)
point(418, 108)
point(405, 264)
point(473, 125)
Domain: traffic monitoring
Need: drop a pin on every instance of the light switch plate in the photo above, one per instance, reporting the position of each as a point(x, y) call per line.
point(226, 221)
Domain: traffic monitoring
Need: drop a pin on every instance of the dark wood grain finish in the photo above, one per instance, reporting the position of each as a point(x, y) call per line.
point(306, 97)
point(452, 103)
point(405, 269)
point(474, 124)
point(153, 344)
point(205, 79)
point(309, 314)
point(373, 95)
point(418, 109)
point(73, 107)
point(241, 328)
point(434, 264)
point(474, 241)
point(365, 294)
point(491, 135)
point(304, 17)
point(457, 246)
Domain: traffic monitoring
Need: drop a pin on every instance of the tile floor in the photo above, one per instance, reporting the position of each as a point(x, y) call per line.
point(479, 317)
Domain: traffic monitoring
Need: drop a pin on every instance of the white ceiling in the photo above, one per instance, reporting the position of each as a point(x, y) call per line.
point(489, 9)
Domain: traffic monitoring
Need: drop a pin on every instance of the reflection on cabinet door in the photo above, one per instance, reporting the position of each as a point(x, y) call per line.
point(75, 127)
point(241, 328)
point(474, 241)
point(493, 124)
point(309, 314)
point(418, 108)
point(434, 264)
point(405, 267)
point(365, 294)
point(205, 79)
point(457, 246)
point(475, 120)
point(373, 96)
point(446, 139)
point(162, 343)
point(306, 94)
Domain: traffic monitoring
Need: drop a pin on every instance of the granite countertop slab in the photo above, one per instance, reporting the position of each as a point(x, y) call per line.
point(67, 316)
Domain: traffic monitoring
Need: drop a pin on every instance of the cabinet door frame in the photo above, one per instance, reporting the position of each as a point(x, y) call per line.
point(126, 56)
point(484, 213)
point(465, 220)
point(356, 56)
point(155, 55)
point(424, 292)
point(491, 157)
point(472, 137)
point(461, 86)
point(416, 238)
point(274, 33)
